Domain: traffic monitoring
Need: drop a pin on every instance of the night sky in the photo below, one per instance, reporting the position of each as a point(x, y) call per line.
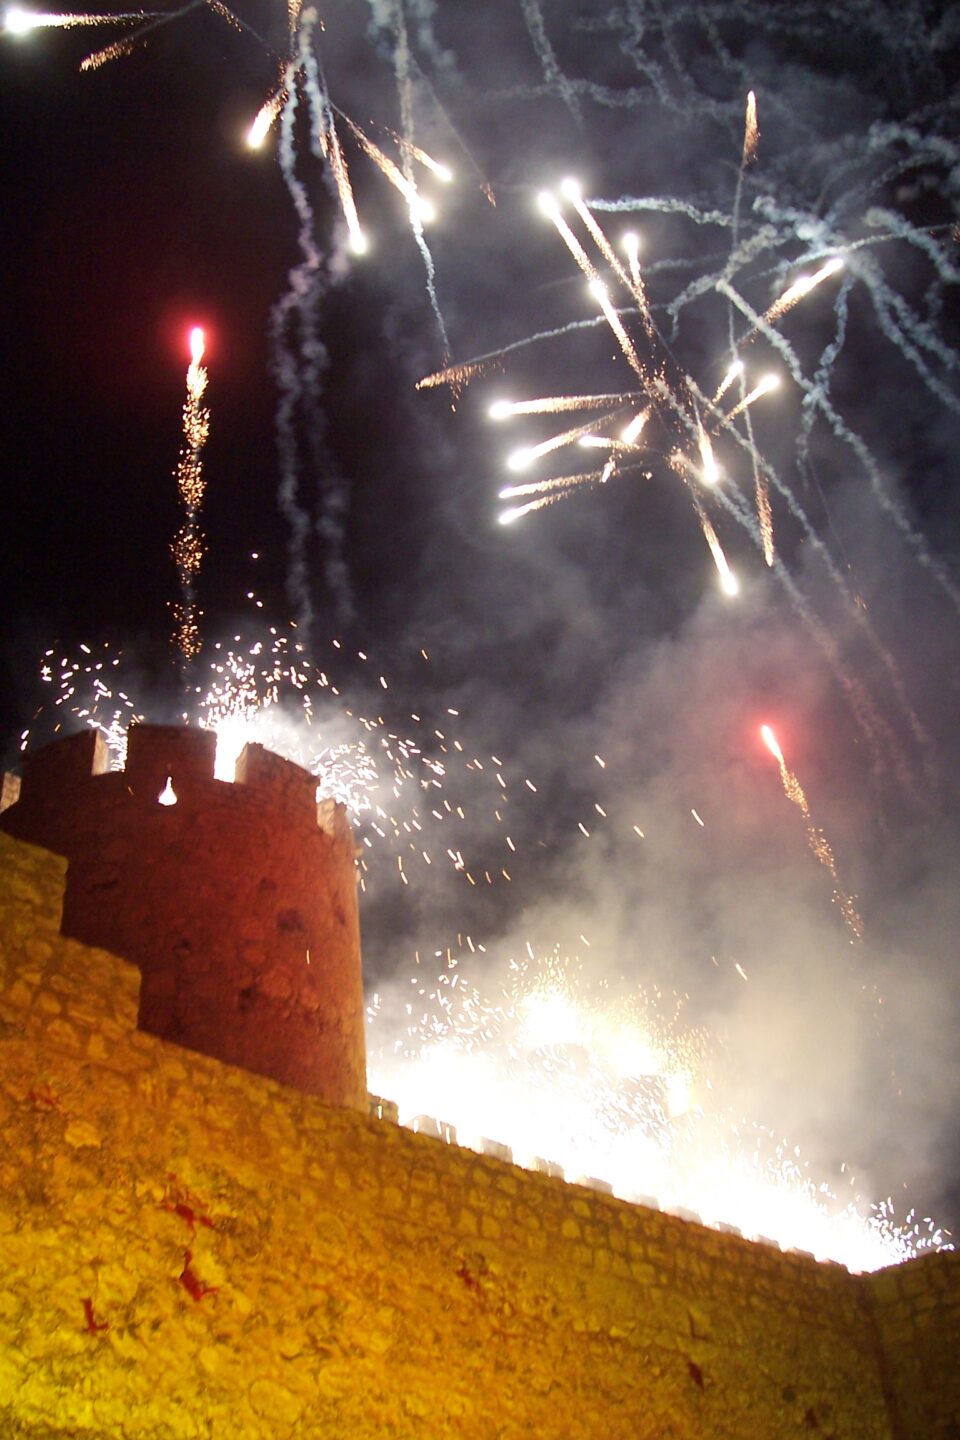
point(594, 627)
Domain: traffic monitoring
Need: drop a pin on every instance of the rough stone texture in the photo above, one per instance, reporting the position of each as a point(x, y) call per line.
point(189, 1250)
point(238, 908)
point(917, 1308)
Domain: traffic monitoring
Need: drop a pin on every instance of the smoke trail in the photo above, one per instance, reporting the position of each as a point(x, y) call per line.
point(533, 19)
point(298, 361)
point(402, 68)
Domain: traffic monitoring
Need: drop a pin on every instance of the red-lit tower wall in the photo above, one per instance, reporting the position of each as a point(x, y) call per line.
point(238, 902)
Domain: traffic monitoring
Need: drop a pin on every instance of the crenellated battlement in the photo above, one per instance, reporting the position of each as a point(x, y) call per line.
point(236, 900)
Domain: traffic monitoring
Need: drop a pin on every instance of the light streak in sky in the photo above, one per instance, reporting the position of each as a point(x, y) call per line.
point(265, 117)
point(733, 373)
point(764, 387)
point(555, 404)
point(819, 845)
point(188, 545)
point(801, 288)
point(751, 132)
point(729, 583)
point(19, 22)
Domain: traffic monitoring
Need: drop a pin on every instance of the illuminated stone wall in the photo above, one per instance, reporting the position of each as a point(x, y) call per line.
point(917, 1307)
point(189, 1250)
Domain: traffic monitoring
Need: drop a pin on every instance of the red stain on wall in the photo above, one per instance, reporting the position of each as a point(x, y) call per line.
point(191, 1281)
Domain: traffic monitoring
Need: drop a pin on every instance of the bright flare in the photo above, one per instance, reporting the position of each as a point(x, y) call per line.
point(751, 132)
point(187, 546)
point(796, 292)
point(816, 840)
point(765, 386)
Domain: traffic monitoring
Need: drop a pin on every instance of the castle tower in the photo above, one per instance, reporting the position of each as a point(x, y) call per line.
point(238, 902)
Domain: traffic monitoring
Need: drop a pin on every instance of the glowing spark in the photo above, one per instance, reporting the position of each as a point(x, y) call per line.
point(522, 459)
point(771, 742)
point(729, 583)
point(817, 841)
point(599, 292)
point(764, 387)
point(631, 433)
point(796, 292)
point(553, 483)
point(420, 209)
point(751, 133)
point(19, 22)
point(457, 376)
point(710, 473)
point(735, 369)
point(571, 190)
point(266, 115)
point(443, 172)
point(764, 513)
point(187, 546)
point(554, 404)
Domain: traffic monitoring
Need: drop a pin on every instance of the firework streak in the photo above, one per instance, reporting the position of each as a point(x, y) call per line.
point(815, 837)
point(187, 545)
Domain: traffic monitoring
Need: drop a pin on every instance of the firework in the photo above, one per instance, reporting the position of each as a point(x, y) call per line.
point(800, 289)
point(19, 22)
point(620, 1087)
point(764, 387)
point(265, 117)
point(729, 583)
point(751, 132)
point(817, 841)
point(187, 546)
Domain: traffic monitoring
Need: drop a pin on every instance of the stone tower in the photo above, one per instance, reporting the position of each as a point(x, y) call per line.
point(238, 902)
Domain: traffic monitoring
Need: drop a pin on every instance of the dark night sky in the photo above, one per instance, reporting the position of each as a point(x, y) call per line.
point(132, 210)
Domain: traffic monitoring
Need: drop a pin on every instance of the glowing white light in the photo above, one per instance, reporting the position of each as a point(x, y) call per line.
point(196, 345)
point(507, 517)
point(631, 244)
point(260, 128)
point(500, 409)
point(598, 290)
point(18, 22)
point(770, 740)
point(422, 210)
point(729, 583)
point(167, 796)
point(632, 431)
point(571, 189)
point(520, 459)
point(548, 204)
point(358, 242)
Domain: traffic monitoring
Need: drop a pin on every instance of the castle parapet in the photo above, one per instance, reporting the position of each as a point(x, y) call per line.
point(238, 902)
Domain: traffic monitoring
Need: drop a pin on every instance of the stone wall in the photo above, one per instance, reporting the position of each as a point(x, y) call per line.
point(189, 1250)
point(917, 1308)
point(236, 903)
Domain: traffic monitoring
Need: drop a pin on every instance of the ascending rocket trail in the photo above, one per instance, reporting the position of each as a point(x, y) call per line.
point(187, 545)
point(815, 838)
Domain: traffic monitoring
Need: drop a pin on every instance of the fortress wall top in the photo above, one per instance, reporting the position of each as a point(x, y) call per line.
point(239, 908)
